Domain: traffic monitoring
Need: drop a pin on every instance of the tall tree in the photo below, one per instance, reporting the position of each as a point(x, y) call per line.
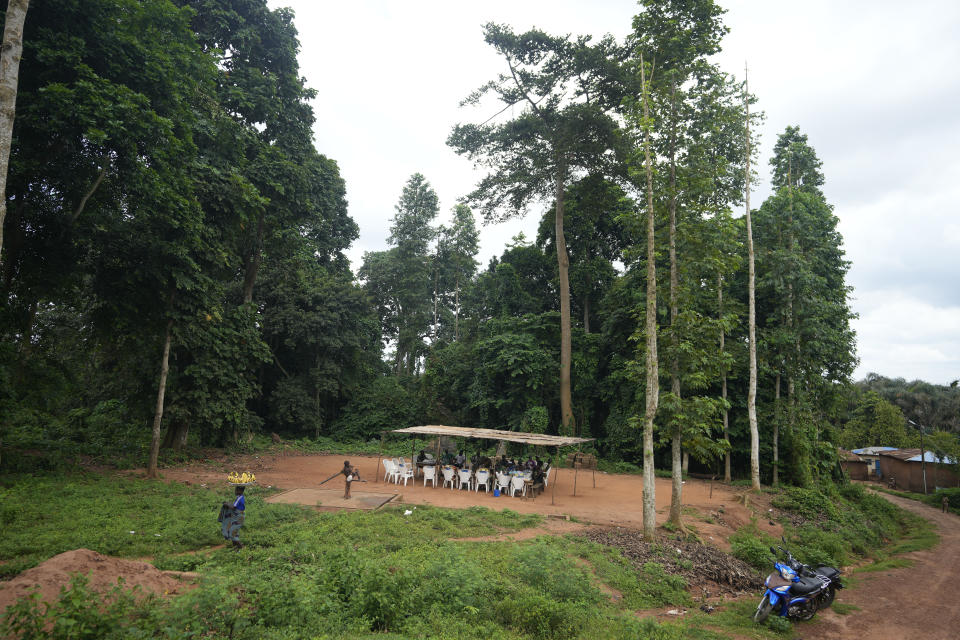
point(596, 238)
point(679, 35)
point(640, 118)
point(751, 313)
point(804, 302)
point(15, 16)
point(563, 129)
point(456, 255)
point(400, 279)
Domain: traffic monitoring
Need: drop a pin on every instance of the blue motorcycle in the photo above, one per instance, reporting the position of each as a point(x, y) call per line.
point(796, 591)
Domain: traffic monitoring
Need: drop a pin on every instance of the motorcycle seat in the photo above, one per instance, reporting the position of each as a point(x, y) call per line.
point(805, 586)
point(829, 572)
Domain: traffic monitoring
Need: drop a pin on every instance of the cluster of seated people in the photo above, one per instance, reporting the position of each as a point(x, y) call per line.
point(503, 464)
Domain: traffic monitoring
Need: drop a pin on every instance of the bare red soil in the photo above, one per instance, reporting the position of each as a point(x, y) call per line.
point(615, 500)
point(103, 572)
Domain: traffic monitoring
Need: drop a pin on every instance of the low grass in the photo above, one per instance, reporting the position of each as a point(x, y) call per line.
point(358, 574)
point(385, 574)
point(843, 609)
point(885, 565)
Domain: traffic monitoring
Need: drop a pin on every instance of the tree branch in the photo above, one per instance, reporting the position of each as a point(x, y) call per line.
point(90, 192)
point(522, 90)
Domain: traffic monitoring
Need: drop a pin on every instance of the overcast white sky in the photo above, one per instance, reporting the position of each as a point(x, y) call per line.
point(872, 83)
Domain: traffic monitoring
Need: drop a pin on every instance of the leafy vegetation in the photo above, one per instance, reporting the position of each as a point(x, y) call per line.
point(835, 527)
point(359, 574)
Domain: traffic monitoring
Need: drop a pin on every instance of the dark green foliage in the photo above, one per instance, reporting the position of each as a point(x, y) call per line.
point(163, 174)
point(934, 406)
point(382, 405)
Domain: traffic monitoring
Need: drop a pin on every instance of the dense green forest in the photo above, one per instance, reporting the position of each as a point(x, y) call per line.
point(173, 271)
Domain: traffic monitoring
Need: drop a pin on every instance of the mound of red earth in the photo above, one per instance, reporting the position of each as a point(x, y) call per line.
point(102, 571)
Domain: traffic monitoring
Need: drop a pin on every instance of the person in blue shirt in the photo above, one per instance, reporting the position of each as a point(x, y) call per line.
point(231, 518)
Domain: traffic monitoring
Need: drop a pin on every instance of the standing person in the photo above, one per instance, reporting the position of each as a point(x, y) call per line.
point(945, 504)
point(351, 474)
point(231, 518)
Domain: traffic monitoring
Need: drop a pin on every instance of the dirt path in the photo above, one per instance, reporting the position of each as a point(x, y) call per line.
point(913, 602)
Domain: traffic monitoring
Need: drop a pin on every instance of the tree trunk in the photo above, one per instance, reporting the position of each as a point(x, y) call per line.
point(776, 430)
point(158, 413)
point(723, 384)
point(676, 438)
point(752, 317)
point(793, 361)
point(456, 311)
point(253, 261)
point(176, 436)
point(652, 373)
point(436, 302)
point(9, 76)
point(563, 264)
point(316, 409)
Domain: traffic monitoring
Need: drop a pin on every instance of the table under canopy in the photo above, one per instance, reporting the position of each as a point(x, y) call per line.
point(537, 439)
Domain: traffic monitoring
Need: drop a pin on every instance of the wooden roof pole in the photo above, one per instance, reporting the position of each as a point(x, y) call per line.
point(556, 476)
point(576, 470)
point(379, 455)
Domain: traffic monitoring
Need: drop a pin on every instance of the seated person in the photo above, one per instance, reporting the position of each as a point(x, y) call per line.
point(537, 478)
point(421, 457)
point(460, 461)
point(447, 457)
point(530, 464)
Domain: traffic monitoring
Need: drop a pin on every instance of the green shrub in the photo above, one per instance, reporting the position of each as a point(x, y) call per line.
point(809, 503)
point(753, 547)
point(936, 499)
point(779, 624)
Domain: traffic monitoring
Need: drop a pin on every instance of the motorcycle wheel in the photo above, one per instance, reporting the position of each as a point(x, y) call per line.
point(807, 611)
point(763, 610)
point(828, 598)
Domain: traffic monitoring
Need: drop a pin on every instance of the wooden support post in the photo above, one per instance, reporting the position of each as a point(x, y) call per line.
point(576, 469)
point(594, 475)
point(379, 455)
point(556, 476)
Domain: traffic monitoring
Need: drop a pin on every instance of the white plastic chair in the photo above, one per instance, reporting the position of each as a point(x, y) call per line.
point(482, 479)
point(517, 484)
point(466, 477)
point(430, 473)
point(387, 468)
point(546, 477)
point(406, 472)
point(503, 482)
point(448, 477)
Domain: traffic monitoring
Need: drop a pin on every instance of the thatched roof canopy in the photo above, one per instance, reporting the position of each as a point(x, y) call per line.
point(494, 434)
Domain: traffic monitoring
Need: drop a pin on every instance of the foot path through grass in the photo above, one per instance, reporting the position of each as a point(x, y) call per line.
point(912, 602)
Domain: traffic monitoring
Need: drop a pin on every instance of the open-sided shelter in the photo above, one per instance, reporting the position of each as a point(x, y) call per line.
point(536, 439)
